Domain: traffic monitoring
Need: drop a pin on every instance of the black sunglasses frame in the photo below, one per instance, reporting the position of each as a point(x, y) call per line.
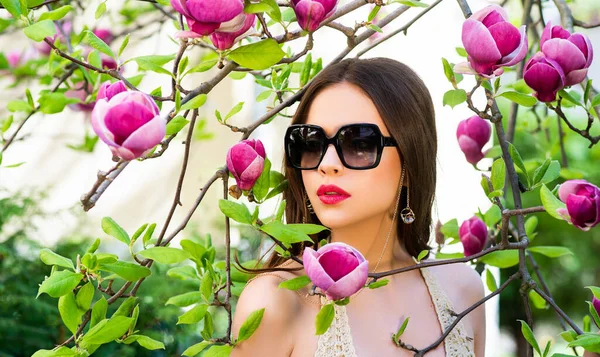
point(383, 142)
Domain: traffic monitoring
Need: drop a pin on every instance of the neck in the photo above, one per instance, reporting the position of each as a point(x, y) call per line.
point(369, 237)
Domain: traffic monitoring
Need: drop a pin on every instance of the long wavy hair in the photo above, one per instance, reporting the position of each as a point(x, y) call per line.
point(404, 103)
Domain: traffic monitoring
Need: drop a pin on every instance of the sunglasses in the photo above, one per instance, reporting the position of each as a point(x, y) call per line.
point(359, 146)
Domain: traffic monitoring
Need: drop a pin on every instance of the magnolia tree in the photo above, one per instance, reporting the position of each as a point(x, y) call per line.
point(83, 68)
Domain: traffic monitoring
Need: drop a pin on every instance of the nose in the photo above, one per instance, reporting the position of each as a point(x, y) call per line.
point(331, 163)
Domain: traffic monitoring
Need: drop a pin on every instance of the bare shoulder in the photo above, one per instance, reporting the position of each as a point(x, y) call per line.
point(281, 306)
point(461, 282)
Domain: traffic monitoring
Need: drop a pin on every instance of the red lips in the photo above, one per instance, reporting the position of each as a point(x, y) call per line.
point(329, 199)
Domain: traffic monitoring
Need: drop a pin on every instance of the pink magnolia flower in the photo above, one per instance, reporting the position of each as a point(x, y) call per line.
point(583, 203)
point(473, 235)
point(596, 304)
point(310, 13)
point(128, 122)
point(225, 40)
point(205, 16)
point(573, 52)
point(545, 76)
point(245, 161)
point(472, 134)
point(336, 268)
point(491, 42)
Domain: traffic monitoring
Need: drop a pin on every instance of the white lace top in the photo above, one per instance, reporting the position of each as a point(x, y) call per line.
point(337, 341)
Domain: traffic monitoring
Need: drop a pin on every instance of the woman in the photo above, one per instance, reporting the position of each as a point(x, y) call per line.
point(356, 99)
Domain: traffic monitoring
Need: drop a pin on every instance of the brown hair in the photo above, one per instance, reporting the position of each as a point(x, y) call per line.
point(404, 103)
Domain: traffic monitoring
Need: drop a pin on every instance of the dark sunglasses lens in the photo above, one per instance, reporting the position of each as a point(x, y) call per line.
point(305, 146)
point(359, 145)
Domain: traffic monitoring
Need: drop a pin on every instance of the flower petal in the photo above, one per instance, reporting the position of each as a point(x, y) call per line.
point(471, 149)
point(350, 283)
point(147, 136)
point(125, 118)
point(519, 53)
point(309, 13)
point(585, 46)
point(210, 11)
point(481, 14)
point(179, 6)
point(187, 34)
point(565, 53)
point(479, 43)
point(569, 187)
point(98, 114)
point(506, 36)
point(338, 263)
point(314, 270)
point(251, 173)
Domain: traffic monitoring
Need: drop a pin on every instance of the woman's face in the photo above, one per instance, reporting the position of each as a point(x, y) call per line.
point(373, 192)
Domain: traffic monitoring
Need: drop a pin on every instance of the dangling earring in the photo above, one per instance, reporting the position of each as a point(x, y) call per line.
point(308, 205)
point(407, 214)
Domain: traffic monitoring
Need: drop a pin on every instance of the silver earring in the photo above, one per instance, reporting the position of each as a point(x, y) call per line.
point(407, 214)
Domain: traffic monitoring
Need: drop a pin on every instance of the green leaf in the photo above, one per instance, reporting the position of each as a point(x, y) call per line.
point(519, 98)
point(48, 257)
point(6, 124)
point(40, 30)
point(259, 55)
point(454, 97)
point(373, 13)
point(13, 7)
point(448, 71)
point(195, 349)
point(166, 255)
point(551, 203)
point(595, 290)
point(374, 28)
point(324, 319)
point(184, 300)
point(195, 249)
point(501, 258)
point(402, 328)
point(412, 3)
point(99, 311)
point(60, 283)
point(422, 254)
point(18, 106)
point(194, 315)
point(588, 341)
point(60, 352)
point(516, 156)
point(378, 284)
point(126, 270)
point(498, 174)
point(250, 325)
point(57, 14)
point(176, 124)
point(124, 44)
point(566, 95)
point(306, 67)
point(202, 67)
point(261, 186)
point(450, 228)
point(144, 341)
point(236, 211)
point(100, 10)
point(551, 252)
point(218, 351)
point(284, 233)
point(594, 314)
point(295, 283)
point(195, 102)
point(264, 95)
point(110, 227)
point(90, 38)
point(52, 103)
point(596, 100)
point(106, 331)
point(126, 307)
point(69, 312)
point(568, 336)
point(206, 287)
point(148, 234)
point(236, 109)
point(461, 52)
point(547, 349)
point(537, 300)
point(490, 281)
point(256, 8)
point(85, 295)
point(183, 273)
point(528, 334)
point(492, 216)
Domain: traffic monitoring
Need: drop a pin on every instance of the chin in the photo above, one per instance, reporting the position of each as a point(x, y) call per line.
point(335, 219)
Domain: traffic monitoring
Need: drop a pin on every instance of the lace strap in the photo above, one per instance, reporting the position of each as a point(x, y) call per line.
point(337, 340)
point(457, 343)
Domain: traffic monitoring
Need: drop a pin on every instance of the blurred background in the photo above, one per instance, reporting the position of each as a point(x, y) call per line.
point(40, 199)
